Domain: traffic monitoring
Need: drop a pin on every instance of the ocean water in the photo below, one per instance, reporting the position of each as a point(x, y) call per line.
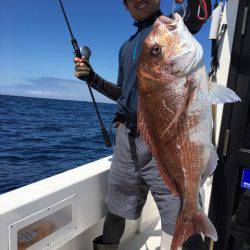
point(42, 137)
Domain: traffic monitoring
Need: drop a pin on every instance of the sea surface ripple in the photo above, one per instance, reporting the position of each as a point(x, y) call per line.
point(42, 137)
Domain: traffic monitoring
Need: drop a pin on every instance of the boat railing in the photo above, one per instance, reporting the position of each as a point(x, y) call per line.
point(63, 210)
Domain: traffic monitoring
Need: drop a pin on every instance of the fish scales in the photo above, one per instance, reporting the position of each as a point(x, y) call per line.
point(174, 122)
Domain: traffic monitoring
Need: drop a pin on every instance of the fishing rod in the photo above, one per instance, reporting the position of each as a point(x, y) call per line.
point(86, 52)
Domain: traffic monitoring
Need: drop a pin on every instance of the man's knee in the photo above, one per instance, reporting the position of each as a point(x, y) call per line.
point(114, 218)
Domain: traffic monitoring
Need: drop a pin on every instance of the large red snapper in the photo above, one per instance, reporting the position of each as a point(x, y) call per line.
point(174, 117)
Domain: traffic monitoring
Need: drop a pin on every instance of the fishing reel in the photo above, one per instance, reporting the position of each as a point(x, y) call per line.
point(85, 51)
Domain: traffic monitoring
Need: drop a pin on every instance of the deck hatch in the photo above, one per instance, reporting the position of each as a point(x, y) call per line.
point(42, 229)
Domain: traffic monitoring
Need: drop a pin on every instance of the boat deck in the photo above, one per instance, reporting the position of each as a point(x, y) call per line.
point(149, 239)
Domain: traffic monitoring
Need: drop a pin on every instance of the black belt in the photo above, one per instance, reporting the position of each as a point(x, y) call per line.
point(130, 123)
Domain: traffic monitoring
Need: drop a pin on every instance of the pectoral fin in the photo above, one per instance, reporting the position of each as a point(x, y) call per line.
point(219, 94)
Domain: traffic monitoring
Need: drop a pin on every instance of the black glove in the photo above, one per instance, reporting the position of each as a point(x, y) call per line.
point(84, 72)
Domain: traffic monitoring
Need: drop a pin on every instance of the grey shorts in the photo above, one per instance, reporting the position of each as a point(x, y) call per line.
point(128, 189)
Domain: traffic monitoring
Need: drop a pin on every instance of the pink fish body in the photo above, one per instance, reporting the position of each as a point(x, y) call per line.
point(175, 118)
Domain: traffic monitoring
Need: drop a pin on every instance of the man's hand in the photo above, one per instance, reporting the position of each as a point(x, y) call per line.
point(179, 1)
point(82, 70)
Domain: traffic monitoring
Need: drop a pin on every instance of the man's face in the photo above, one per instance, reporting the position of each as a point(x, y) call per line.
point(142, 9)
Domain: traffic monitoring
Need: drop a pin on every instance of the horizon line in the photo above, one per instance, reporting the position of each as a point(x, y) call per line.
point(58, 99)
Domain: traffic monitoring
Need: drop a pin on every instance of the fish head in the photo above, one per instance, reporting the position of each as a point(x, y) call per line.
point(167, 70)
point(170, 49)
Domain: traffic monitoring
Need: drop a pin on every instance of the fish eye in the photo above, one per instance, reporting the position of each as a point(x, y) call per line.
point(156, 50)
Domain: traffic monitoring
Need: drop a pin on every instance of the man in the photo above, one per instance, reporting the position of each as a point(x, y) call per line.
point(133, 170)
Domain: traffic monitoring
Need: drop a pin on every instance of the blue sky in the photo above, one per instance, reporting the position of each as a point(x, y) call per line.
point(35, 51)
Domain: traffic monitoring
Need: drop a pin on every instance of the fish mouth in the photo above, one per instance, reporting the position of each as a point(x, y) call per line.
point(141, 5)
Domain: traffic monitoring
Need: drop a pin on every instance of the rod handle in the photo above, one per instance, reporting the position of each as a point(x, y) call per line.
point(106, 136)
point(76, 48)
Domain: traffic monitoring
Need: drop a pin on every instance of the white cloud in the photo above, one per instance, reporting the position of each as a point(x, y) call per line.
point(54, 88)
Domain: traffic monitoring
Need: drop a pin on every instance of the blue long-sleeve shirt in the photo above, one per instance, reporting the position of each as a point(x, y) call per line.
point(128, 59)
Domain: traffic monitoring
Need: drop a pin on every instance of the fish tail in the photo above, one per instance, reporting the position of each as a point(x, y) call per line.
point(199, 223)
